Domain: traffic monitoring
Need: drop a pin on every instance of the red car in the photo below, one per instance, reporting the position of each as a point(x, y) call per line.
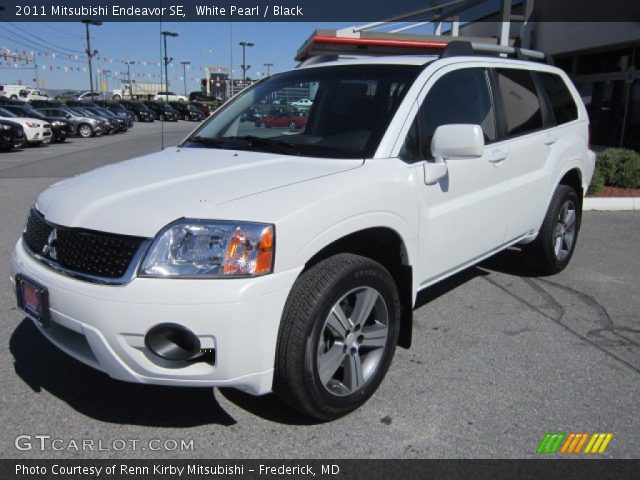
point(282, 119)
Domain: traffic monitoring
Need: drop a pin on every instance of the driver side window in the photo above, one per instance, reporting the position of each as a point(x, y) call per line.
point(462, 96)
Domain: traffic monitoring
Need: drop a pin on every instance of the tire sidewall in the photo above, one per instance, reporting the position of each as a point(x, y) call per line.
point(358, 277)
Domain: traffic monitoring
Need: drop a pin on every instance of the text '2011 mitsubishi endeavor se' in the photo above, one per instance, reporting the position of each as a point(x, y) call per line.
point(288, 259)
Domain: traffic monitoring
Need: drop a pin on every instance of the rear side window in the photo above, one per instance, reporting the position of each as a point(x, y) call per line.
point(520, 100)
point(462, 96)
point(562, 104)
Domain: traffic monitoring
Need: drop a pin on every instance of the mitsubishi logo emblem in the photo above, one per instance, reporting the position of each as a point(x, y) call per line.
point(49, 250)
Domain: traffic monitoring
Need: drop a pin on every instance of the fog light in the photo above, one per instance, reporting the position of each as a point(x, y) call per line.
point(172, 342)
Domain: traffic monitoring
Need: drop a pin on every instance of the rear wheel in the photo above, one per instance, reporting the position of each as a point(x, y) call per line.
point(552, 250)
point(85, 130)
point(292, 125)
point(337, 337)
point(117, 98)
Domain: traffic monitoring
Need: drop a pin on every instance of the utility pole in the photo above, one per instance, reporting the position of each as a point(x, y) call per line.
point(245, 67)
point(129, 63)
point(166, 34)
point(184, 75)
point(268, 65)
point(89, 52)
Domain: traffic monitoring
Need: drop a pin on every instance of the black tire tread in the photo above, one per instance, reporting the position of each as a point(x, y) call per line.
point(289, 372)
point(539, 255)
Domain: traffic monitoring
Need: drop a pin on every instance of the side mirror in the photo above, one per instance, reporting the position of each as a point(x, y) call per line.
point(451, 142)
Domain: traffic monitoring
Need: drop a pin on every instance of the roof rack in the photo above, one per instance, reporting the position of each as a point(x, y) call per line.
point(327, 45)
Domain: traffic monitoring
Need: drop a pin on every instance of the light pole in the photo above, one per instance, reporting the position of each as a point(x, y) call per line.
point(245, 67)
point(89, 52)
point(129, 63)
point(184, 75)
point(166, 34)
point(268, 65)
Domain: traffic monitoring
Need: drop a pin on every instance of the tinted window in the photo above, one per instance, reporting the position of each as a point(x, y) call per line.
point(562, 104)
point(462, 96)
point(520, 99)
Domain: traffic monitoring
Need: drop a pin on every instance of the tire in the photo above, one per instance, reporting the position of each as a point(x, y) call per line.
point(117, 98)
point(553, 248)
point(262, 125)
point(85, 130)
point(13, 97)
point(293, 125)
point(137, 117)
point(307, 339)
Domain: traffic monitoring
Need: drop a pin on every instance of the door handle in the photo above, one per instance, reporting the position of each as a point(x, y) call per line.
point(497, 156)
point(550, 139)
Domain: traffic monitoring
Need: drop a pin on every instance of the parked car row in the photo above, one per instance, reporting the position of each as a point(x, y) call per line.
point(45, 121)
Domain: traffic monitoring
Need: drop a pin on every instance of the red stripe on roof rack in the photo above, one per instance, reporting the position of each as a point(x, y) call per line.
point(379, 42)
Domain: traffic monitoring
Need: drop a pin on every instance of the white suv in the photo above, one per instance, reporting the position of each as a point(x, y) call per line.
point(289, 259)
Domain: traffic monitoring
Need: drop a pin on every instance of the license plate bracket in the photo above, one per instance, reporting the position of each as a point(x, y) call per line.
point(33, 299)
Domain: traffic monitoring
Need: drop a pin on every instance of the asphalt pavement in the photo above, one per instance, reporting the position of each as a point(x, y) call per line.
point(499, 359)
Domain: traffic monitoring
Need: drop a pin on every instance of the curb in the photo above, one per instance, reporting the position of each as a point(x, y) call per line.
point(611, 203)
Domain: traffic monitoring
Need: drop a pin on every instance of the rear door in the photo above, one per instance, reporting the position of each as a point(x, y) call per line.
point(464, 215)
point(526, 126)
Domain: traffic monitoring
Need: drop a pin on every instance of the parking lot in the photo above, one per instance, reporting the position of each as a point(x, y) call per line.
point(499, 358)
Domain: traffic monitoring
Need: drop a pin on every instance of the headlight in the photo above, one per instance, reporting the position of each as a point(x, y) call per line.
point(57, 123)
point(6, 127)
point(203, 248)
point(32, 125)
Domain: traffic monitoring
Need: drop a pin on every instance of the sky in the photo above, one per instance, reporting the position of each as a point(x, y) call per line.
point(203, 44)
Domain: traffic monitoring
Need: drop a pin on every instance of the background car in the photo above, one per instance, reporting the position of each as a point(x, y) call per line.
point(35, 94)
point(13, 92)
point(89, 96)
point(282, 119)
point(303, 102)
point(109, 125)
point(59, 125)
point(11, 135)
point(170, 97)
point(141, 112)
point(86, 126)
point(187, 111)
point(36, 130)
point(118, 109)
point(163, 111)
point(121, 122)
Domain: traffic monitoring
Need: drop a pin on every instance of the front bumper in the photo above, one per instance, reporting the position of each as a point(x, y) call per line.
point(104, 326)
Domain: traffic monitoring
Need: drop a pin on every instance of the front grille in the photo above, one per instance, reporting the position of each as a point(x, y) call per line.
point(80, 251)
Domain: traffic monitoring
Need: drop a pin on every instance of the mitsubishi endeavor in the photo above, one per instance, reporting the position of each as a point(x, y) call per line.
point(289, 259)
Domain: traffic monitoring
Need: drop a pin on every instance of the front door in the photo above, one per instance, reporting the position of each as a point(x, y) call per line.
point(464, 215)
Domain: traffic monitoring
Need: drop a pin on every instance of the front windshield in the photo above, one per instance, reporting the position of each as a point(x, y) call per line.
point(346, 111)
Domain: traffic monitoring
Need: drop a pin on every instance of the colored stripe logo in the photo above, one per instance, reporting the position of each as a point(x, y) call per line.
point(573, 443)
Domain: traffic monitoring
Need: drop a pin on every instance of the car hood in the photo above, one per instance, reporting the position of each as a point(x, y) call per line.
point(24, 120)
point(140, 196)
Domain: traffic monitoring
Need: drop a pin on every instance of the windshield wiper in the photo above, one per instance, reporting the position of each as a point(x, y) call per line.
point(207, 141)
point(267, 142)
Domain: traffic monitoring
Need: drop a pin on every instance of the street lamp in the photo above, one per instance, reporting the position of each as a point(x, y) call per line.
point(244, 65)
point(268, 65)
point(184, 75)
point(129, 63)
point(89, 52)
point(166, 34)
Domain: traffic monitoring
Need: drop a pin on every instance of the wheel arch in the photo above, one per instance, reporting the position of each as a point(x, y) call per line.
point(387, 247)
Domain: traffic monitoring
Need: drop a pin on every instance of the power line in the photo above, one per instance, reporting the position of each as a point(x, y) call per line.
point(60, 31)
point(31, 43)
point(47, 42)
point(38, 49)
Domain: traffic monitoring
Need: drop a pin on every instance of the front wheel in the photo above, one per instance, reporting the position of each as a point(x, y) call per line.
point(553, 248)
point(85, 131)
point(337, 336)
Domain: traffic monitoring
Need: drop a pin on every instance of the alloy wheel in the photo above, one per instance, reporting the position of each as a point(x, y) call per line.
point(352, 341)
point(564, 233)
